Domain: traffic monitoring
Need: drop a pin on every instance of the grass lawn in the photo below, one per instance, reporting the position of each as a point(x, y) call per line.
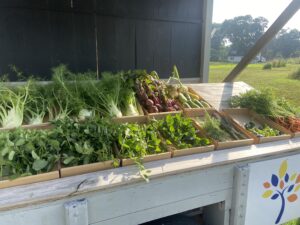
point(254, 75)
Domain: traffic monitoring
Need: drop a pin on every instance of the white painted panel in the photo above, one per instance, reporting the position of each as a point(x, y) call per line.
point(45, 215)
point(170, 209)
point(159, 192)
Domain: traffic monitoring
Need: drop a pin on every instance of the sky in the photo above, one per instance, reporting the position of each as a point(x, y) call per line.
point(270, 9)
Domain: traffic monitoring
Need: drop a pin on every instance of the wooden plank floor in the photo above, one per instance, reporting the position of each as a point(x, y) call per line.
point(218, 94)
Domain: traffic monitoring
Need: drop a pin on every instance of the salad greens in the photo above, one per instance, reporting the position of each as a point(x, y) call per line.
point(136, 141)
point(85, 142)
point(262, 131)
point(28, 152)
point(181, 132)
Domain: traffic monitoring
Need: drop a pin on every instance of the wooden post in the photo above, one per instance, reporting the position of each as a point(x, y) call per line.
point(285, 16)
point(206, 36)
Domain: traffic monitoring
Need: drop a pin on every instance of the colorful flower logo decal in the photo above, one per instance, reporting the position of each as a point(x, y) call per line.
point(283, 187)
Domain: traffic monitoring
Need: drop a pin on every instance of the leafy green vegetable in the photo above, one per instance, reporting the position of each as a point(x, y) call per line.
point(265, 103)
point(28, 152)
point(262, 131)
point(181, 132)
point(137, 141)
point(86, 142)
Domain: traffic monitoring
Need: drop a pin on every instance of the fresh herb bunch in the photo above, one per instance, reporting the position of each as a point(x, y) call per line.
point(28, 152)
point(212, 127)
point(262, 131)
point(85, 142)
point(219, 128)
point(264, 102)
point(181, 132)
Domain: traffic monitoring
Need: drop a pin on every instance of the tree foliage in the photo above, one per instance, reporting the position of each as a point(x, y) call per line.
point(236, 36)
point(286, 44)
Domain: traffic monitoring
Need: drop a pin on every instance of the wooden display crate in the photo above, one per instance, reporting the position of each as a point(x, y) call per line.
point(222, 144)
point(29, 179)
point(242, 116)
point(131, 119)
point(162, 115)
point(148, 158)
point(42, 126)
point(88, 168)
point(194, 150)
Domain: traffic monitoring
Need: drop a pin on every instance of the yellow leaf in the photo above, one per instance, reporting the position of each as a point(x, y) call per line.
point(293, 177)
point(283, 169)
point(267, 194)
point(297, 188)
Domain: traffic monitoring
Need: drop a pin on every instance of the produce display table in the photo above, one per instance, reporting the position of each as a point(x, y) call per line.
point(121, 196)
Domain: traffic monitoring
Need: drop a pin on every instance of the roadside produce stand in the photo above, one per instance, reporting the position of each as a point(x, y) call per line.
point(217, 180)
point(133, 147)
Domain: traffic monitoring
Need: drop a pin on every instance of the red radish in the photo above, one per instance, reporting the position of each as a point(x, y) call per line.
point(149, 103)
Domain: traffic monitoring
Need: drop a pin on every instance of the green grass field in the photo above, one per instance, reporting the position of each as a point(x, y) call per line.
point(254, 75)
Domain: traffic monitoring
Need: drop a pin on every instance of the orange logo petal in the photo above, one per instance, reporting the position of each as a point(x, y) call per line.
point(292, 198)
point(281, 184)
point(267, 185)
point(298, 179)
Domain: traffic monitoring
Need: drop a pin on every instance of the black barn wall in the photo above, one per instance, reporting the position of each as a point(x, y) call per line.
point(36, 35)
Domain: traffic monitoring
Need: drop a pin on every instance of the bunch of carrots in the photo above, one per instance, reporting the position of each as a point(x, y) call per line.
point(290, 123)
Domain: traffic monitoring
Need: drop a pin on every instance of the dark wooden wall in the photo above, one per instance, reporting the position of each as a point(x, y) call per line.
point(36, 35)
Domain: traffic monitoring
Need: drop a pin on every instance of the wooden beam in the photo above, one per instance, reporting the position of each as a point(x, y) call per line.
point(206, 38)
point(285, 16)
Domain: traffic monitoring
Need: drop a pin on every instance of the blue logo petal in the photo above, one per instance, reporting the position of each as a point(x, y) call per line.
point(274, 180)
point(291, 188)
point(275, 196)
point(287, 177)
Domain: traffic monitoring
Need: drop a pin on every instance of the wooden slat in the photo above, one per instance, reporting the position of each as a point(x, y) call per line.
point(185, 11)
point(219, 94)
point(116, 41)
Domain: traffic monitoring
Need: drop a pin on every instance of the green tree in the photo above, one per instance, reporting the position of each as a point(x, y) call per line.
point(286, 44)
point(243, 32)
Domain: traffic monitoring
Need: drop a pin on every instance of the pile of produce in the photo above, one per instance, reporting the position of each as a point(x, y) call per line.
point(180, 132)
point(266, 104)
point(152, 95)
point(79, 108)
point(219, 128)
point(182, 94)
point(262, 131)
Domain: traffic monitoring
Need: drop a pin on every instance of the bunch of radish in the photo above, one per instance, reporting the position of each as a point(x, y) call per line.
point(152, 96)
